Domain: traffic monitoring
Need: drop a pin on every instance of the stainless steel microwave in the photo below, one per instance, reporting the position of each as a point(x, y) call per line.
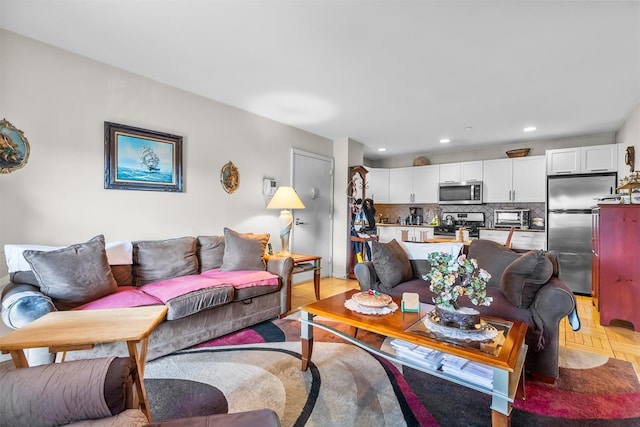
point(518, 218)
point(460, 193)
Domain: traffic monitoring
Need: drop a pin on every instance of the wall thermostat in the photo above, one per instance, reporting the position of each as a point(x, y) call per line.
point(270, 186)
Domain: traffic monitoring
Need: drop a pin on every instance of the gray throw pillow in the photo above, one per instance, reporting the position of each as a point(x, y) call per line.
point(156, 260)
point(210, 252)
point(391, 263)
point(493, 257)
point(524, 277)
point(244, 251)
point(74, 275)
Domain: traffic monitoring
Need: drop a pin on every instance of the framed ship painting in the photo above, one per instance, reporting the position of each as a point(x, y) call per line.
point(141, 159)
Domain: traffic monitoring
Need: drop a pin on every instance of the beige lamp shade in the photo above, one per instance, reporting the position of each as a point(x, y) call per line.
point(285, 199)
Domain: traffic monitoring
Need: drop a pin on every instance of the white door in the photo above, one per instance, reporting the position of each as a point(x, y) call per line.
point(312, 178)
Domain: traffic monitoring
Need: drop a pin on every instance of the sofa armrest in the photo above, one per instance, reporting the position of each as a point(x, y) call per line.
point(282, 266)
point(66, 392)
point(554, 301)
point(366, 275)
point(22, 304)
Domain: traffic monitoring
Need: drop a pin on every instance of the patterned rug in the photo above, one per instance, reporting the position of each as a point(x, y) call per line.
point(259, 367)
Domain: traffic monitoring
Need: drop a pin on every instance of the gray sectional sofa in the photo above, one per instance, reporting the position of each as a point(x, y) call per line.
point(212, 285)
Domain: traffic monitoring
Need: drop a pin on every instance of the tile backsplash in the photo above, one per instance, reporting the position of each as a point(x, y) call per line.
point(393, 211)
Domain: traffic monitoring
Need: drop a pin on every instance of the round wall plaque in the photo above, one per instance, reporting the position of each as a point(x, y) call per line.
point(230, 178)
point(14, 148)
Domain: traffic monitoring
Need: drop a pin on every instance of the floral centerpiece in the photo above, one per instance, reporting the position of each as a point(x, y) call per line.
point(453, 276)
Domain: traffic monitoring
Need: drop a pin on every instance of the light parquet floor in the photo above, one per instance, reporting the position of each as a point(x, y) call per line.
point(618, 341)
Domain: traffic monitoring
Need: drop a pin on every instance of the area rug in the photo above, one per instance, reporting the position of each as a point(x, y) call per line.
point(259, 367)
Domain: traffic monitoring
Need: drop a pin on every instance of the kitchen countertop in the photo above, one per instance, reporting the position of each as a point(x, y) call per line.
point(535, 230)
point(400, 225)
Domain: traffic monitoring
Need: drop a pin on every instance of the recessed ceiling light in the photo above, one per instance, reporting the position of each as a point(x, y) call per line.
point(382, 149)
point(468, 128)
point(445, 141)
point(529, 129)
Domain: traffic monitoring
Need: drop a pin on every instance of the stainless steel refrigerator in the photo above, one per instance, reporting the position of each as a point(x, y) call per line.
point(569, 202)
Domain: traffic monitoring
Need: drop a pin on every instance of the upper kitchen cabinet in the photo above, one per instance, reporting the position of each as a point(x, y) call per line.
point(425, 184)
point(461, 172)
point(401, 185)
point(415, 184)
point(599, 158)
point(529, 179)
point(590, 159)
point(521, 179)
point(378, 185)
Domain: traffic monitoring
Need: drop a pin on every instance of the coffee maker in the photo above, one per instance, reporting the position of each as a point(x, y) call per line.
point(415, 216)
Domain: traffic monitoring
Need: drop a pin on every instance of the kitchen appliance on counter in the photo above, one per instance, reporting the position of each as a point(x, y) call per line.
point(460, 193)
point(570, 199)
point(452, 221)
point(415, 216)
point(507, 218)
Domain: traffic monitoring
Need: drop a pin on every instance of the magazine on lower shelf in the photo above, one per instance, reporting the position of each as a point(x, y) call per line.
point(456, 366)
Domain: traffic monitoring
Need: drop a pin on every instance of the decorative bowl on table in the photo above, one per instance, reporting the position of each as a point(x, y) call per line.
point(371, 302)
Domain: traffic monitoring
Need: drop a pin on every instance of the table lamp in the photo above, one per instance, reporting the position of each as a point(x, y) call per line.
point(285, 199)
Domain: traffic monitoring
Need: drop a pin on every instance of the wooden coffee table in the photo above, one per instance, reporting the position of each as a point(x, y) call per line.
point(506, 362)
point(63, 331)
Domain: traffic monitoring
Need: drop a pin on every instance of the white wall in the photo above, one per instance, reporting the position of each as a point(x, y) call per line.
point(60, 101)
point(629, 135)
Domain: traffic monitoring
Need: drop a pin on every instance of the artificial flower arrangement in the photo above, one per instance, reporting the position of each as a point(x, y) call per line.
point(453, 276)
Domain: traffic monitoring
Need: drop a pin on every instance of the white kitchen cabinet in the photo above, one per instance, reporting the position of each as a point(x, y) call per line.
point(416, 184)
point(521, 239)
point(563, 161)
point(413, 234)
point(529, 183)
point(386, 233)
point(521, 179)
point(471, 171)
point(599, 158)
point(590, 159)
point(400, 185)
point(529, 240)
point(497, 181)
point(461, 172)
point(425, 184)
point(378, 185)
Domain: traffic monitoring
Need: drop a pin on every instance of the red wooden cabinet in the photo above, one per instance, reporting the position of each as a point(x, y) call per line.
point(616, 258)
point(595, 258)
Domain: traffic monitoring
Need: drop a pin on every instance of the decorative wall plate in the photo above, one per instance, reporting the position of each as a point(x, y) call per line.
point(14, 147)
point(230, 178)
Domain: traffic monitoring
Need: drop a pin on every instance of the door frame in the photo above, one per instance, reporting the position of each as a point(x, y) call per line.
point(296, 151)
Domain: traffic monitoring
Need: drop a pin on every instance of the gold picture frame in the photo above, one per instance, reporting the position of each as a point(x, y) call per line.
point(14, 148)
point(230, 178)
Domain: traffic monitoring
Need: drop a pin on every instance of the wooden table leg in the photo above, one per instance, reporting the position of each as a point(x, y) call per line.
point(139, 380)
point(500, 420)
point(306, 338)
point(19, 359)
point(316, 279)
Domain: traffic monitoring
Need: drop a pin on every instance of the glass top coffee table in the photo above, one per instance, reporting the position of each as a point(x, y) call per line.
point(504, 356)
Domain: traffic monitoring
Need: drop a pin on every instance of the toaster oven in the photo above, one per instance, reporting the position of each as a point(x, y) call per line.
point(507, 218)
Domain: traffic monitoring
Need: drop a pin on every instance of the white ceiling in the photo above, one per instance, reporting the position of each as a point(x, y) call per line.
point(395, 74)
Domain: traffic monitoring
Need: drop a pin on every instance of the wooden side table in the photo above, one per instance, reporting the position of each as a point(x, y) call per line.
point(63, 331)
point(303, 264)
